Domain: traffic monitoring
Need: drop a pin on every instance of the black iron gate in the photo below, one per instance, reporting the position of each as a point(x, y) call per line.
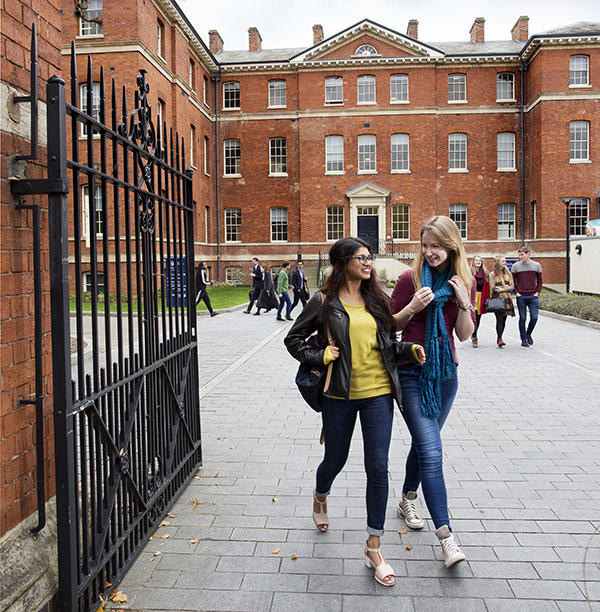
point(125, 363)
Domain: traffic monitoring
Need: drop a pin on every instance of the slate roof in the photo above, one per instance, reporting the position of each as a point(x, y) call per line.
point(580, 27)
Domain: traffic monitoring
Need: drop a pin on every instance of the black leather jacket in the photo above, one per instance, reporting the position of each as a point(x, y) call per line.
point(306, 324)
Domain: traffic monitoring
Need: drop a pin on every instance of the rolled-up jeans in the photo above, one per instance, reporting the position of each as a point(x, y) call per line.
point(523, 303)
point(376, 417)
point(424, 462)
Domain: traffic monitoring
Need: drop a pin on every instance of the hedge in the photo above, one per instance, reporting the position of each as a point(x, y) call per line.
point(581, 306)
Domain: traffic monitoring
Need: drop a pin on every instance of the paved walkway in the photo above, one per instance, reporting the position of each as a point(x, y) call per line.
point(522, 460)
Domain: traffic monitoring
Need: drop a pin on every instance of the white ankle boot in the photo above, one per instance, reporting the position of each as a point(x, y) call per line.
point(452, 553)
point(408, 511)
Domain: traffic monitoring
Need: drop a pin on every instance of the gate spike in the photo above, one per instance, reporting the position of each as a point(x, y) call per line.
point(74, 82)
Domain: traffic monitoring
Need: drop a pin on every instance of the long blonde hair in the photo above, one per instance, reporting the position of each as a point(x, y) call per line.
point(474, 269)
point(446, 232)
point(501, 271)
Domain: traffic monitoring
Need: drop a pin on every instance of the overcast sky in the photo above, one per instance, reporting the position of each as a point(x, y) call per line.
point(288, 23)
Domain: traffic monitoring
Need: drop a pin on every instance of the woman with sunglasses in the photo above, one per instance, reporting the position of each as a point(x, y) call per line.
point(352, 317)
point(431, 302)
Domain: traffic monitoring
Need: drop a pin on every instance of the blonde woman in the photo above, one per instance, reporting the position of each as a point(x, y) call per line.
point(482, 292)
point(501, 284)
point(431, 302)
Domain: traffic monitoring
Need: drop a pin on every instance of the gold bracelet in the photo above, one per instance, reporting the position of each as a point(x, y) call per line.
point(468, 307)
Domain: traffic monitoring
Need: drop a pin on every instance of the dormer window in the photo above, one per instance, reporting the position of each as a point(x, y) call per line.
point(366, 50)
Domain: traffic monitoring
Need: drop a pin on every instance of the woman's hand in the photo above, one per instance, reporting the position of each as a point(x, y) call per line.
point(421, 299)
point(460, 291)
point(420, 354)
point(333, 351)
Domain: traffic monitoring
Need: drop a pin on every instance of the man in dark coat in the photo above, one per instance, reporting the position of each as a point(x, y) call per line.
point(299, 285)
point(257, 281)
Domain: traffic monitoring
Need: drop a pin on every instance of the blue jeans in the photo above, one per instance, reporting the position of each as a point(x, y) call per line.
point(284, 299)
point(424, 461)
point(376, 417)
point(533, 303)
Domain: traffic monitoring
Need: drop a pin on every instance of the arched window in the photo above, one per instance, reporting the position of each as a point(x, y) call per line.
point(366, 50)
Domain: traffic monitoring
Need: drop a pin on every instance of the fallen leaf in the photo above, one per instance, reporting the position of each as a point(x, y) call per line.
point(309, 470)
point(218, 484)
point(409, 548)
point(194, 541)
point(276, 551)
point(197, 476)
point(275, 500)
point(165, 537)
point(157, 552)
point(119, 597)
point(294, 557)
point(163, 523)
point(402, 531)
point(170, 515)
point(194, 501)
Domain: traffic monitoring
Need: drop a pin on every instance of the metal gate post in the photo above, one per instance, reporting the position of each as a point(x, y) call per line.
point(61, 352)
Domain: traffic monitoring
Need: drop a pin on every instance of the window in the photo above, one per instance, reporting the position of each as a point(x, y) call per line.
point(458, 214)
point(231, 94)
point(366, 50)
point(578, 216)
point(579, 70)
point(205, 151)
point(204, 88)
point(367, 153)
point(334, 154)
point(232, 158)
point(506, 151)
point(579, 139)
point(400, 159)
point(234, 275)
point(277, 156)
point(192, 145)
point(457, 88)
point(90, 20)
point(400, 221)
point(457, 152)
point(277, 93)
point(99, 282)
point(192, 75)
point(233, 224)
point(160, 38)
point(279, 224)
point(98, 213)
point(398, 88)
point(505, 86)
point(366, 89)
point(335, 222)
point(94, 112)
point(206, 216)
point(506, 221)
point(160, 117)
point(334, 90)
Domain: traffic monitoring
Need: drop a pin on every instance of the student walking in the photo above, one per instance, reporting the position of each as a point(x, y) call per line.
point(501, 284)
point(431, 302)
point(527, 275)
point(202, 283)
point(283, 286)
point(482, 292)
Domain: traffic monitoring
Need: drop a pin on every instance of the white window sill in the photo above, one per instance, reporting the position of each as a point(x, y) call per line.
point(193, 167)
point(582, 86)
point(506, 169)
point(96, 136)
point(399, 102)
point(505, 101)
point(457, 170)
point(278, 106)
point(400, 171)
point(506, 238)
point(231, 108)
point(400, 240)
point(373, 103)
point(278, 174)
point(88, 36)
point(232, 176)
point(206, 173)
point(457, 101)
point(367, 172)
point(580, 161)
point(279, 241)
point(335, 173)
point(232, 241)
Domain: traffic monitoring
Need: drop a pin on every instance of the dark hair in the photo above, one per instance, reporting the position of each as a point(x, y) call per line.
point(255, 259)
point(285, 264)
point(376, 301)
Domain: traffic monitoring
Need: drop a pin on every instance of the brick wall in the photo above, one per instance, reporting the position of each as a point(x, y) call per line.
point(17, 424)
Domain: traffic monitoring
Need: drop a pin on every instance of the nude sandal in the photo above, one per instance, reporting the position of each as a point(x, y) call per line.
point(320, 518)
point(383, 570)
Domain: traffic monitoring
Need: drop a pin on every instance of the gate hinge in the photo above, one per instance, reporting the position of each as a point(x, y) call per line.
point(32, 186)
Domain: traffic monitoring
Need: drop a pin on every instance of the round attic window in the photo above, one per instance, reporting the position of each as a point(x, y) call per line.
point(366, 50)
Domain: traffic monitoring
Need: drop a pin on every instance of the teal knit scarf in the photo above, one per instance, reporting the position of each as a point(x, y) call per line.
point(440, 360)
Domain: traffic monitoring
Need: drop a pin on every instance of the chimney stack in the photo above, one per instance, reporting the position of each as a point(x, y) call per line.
point(215, 42)
point(413, 29)
point(520, 30)
point(317, 34)
point(477, 30)
point(254, 40)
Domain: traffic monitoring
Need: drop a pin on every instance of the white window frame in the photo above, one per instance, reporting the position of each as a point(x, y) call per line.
point(579, 76)
point(99, 221)
point(277, 93)
point(95, 105)
point(205, 152)
point(279, 224)
point(233, 273)
point(233, 224)
point(399, 89)
point(457, 88)
point(87, 282)
point(459, 214)
point(204, 84)
point(579, 142)
point(277, 156)
point(230, 160)
point(505, 81)
point(334, 84)
point(366, 50)
point(401, 222)
point(578, 221)
point(367, 154)
point(160, 118)
point(229, 94)
point(366, 89)
point(505, 152)
point(457, 150)
point(334, 154)
point(400, 153)
point(192, 144)
point(334, 223)
point(192, 74)
point(506, 221)
point(160, 38)
point(91, 29)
